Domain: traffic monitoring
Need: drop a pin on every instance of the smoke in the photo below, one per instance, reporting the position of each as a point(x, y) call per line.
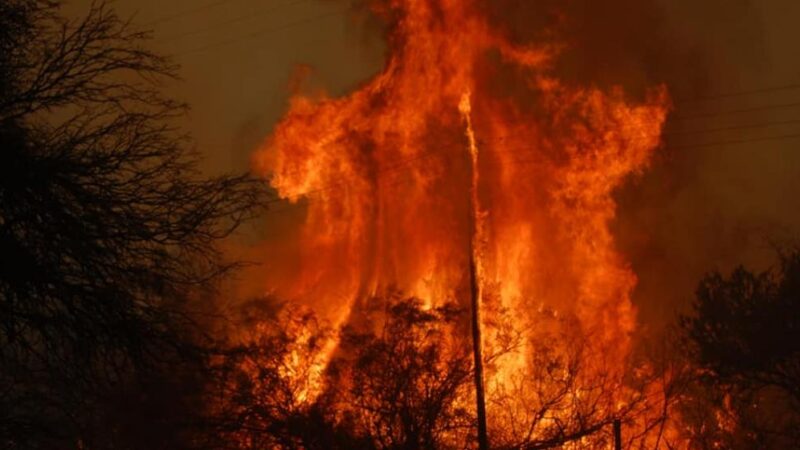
point(702, 205)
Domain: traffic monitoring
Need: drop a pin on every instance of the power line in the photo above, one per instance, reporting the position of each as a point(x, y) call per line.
point(794, 86)
point(266, 31)
point(219, 25)
point(308, 199)
point(426, 154)
point(187, 12)
point(223, 24)
point(737, 111)
point(748, 126)
point(733, 128)
point(785, 137)
point(270, 30)
point(333, 186)
point(740, 141)
point(766, 90)
point(405, 163)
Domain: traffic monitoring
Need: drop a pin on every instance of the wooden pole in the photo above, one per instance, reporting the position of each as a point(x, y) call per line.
point(477, 353)
point(475, 231)
point(617, 434)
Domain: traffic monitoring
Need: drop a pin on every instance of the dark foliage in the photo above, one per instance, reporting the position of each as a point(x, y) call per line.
point(400, 378)
point(747, 326)
point(393, 387)
point(259, 397)
point(105, 229)
point(745, 334)
point(404, 380)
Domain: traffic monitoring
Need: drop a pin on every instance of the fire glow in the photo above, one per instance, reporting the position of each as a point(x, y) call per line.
point(467, 145)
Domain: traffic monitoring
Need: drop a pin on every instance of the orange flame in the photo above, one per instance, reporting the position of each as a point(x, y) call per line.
point(386, 185)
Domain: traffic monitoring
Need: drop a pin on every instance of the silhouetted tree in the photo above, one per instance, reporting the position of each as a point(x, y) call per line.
point(745, 334)
point(570, 392)
point(400, 378)
point(269, 388)
point(106, 228)
point(393, 385)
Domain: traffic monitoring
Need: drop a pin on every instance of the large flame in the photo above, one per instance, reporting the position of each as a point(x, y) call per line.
point(385, 173)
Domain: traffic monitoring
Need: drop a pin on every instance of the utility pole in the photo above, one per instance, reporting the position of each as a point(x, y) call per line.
point(475, 231)
point(617, 434)
point(477, 353)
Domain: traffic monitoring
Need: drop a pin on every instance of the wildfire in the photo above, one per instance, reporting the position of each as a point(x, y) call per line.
point(388, 189)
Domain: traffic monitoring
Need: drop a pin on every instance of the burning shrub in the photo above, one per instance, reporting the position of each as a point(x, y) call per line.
point(403, 384)
point(401, 378)
point(394, 386)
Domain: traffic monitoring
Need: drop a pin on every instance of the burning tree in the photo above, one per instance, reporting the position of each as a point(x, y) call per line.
point(400, 379)
point(467, 165)
point(401, 386)
point(466, 175)
point(391, 386)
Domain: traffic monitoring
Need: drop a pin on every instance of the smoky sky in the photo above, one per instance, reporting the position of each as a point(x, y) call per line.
point(719, 192)
point(722, 188)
